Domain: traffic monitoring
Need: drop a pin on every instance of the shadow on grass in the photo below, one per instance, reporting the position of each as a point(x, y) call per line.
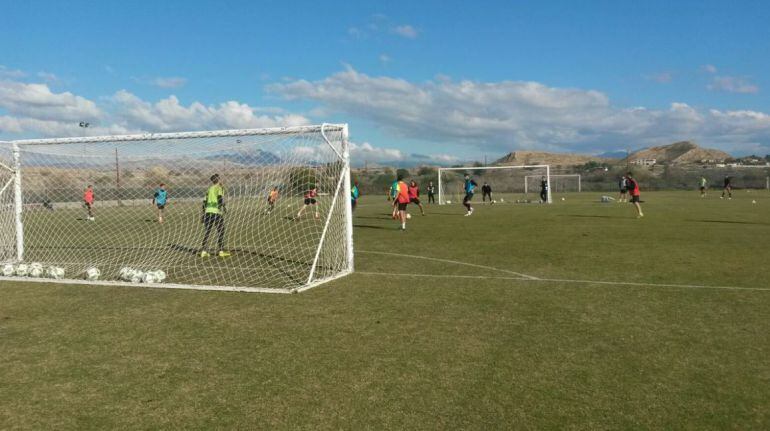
point(730, 222)
point(367, 226)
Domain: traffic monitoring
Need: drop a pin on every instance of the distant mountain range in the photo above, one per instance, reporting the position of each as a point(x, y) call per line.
point(680, 153)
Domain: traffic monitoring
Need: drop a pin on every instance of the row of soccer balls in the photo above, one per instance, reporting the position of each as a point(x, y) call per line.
point(56, 272)
point(138, 276)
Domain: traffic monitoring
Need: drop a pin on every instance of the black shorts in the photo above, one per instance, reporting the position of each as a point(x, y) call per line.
point(161, 206)
point(702, 189)
point(415, 201)
point(309, 201)
point(402, 206)
point(635, 199)
point(623, 191)
point(87, 205)
point(467, 198)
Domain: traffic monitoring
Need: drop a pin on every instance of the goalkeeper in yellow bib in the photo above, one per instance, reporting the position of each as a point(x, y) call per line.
point(213, 217)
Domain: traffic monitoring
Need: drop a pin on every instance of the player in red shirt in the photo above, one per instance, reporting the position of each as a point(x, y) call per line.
point(88, 201)
point(402, 198)
point(633, 189)
point(414, 195)
point(310, 196)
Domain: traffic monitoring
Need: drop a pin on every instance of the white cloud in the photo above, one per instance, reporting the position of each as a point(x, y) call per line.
point(48, 77)
point(733, 84)
point(406, 31)
point(710, 68)
point(37, 101)
point(169, 82)
point(35, 110)
point(506, 115)
point(6, 72)
point(385, 58)
point(366, 152)
point(661, 77)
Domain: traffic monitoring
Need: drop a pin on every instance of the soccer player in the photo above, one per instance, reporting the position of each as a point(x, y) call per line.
point(414, 195)
point(468, 187)
point(272, 197)
point(703, 184)
point(633, 189)
point(310, 196)
point(543, 190)
point(623, 186)
point(431, 193)
point(393, 194)
point(213, 217)
point(402, 200)
point(159, 200)
point(88, 202)
point(728, 188)
point(354, 195)
point(486, 191)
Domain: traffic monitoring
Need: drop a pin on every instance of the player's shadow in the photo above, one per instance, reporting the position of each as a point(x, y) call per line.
point(587, 216)
point(730, 222)
point(367, 226)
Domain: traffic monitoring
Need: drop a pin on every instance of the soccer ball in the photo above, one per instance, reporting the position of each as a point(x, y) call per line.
point(55, 272)
point(93, 273)
point(563, 199)
point(494, 201)
point(35, 270)
point(159, 276)
point(136, 276)
point(9, 270)
point(408, 216)
point(448, 202)
point(149, 277)
point(22, 270)
point(753, 201)
point(502, 200)
point(125, 273)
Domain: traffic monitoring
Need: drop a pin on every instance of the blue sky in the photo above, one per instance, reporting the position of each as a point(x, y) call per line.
point(452, 80)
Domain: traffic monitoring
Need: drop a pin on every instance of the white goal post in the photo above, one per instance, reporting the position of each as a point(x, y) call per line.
point(516, 178)
point(554, 183)
point(193, 232)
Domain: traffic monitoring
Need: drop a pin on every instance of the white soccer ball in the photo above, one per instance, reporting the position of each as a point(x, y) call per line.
point(93, 273)
point(753, 201)
point(55, 272)
point(36, 269)
point(160, 275)
point(408, 216)
point(494, 201)
point(9, 270)
point(149, 277)
point(136, 276)
point(563, 199)
point(449, 202)
point(22, 270)
point(502, 200)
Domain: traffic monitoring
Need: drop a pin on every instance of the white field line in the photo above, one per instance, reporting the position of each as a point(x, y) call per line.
point(456, 262)
point(560, 280)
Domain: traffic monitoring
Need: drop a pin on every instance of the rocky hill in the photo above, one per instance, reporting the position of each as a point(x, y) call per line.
point(679, 153)
point(543, 158)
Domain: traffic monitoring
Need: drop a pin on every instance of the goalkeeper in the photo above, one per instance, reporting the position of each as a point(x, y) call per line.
point(213, 217)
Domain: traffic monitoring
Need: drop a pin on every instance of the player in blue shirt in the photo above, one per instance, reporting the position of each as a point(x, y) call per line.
point(354, 194)
point(468, 187)
point(159, 199)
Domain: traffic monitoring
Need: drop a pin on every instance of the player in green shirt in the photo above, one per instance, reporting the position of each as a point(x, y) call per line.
point(213, 217)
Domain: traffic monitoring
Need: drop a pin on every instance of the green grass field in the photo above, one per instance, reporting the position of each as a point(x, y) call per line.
point(575, 315)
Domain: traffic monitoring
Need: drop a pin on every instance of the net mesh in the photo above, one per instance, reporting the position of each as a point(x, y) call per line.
point(507, 184)
point(269, 245)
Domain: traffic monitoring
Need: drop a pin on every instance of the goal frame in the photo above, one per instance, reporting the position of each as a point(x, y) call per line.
point(486, 168)
point(527, 177)
point(343, 184)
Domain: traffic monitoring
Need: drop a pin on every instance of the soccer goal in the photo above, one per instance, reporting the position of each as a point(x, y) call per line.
point(49, 233)
point(560, 183)
point(508, 183)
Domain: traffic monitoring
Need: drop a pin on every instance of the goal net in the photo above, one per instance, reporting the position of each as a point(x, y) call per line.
point(46, 222)
point(508, 183)
point(560, 183)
